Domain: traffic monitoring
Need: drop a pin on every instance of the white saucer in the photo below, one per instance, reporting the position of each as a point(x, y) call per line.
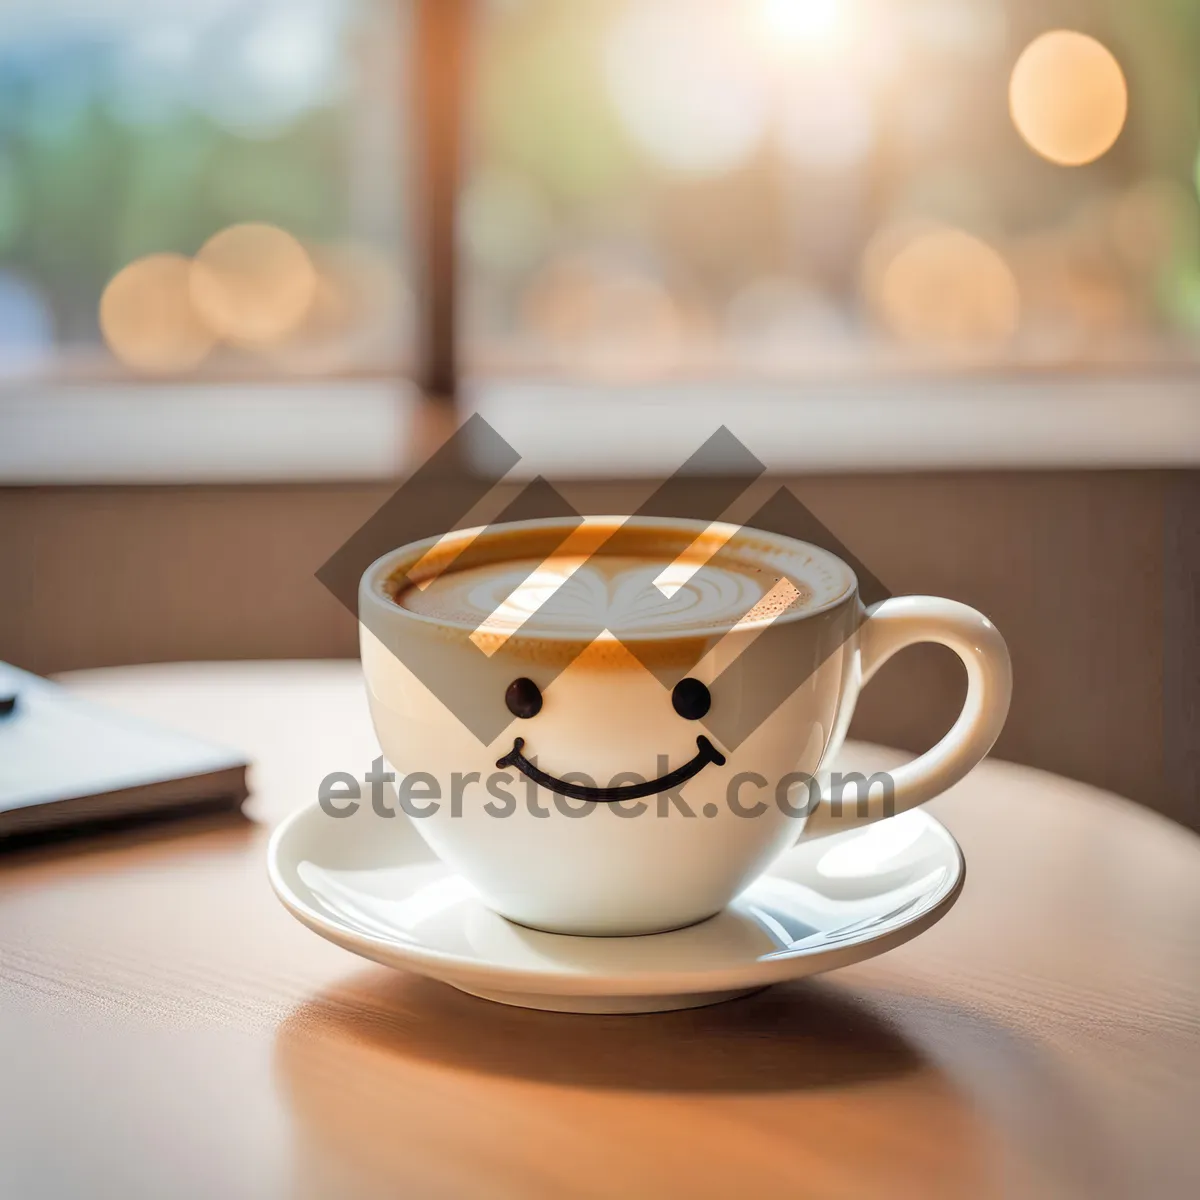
point(372, 886)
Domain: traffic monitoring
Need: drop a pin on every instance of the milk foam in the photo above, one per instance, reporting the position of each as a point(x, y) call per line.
point(623, 594)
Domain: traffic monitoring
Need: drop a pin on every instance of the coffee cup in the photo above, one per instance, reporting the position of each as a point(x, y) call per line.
point(612, 727)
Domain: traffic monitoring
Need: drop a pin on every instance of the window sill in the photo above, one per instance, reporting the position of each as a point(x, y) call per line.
point(205, 433)
point(366, 429)
point(947, 423)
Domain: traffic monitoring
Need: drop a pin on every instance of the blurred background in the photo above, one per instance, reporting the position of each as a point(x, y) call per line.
point(258, 256)
point(194, 188)
point(661, 189)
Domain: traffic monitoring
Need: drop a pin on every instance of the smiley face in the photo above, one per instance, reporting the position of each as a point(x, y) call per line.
point(690, 698)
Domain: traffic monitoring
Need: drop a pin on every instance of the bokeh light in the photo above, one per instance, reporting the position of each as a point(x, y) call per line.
point(939, 284)
point(682, 77)
point(1067, 97)
point(147, 318)
point(597, 313)
point(253, 284)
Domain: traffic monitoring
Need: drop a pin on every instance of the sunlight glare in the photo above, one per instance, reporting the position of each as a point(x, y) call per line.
point(814, 25)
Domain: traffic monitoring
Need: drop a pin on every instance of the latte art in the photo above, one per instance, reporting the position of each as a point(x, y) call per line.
point(569, 594)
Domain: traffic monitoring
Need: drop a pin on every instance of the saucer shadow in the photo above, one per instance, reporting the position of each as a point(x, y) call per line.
point(795, 1036)
point(374, 1068)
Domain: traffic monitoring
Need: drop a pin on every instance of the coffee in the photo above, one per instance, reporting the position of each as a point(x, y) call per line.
point(623, 593)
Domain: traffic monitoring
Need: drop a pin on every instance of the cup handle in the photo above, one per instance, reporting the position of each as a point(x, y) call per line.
point(904, 621)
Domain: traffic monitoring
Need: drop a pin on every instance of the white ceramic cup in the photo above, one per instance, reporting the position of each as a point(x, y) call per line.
point(576, 866)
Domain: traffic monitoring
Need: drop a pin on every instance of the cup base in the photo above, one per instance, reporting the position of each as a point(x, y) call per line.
point(609, 1004)
point(590, 930)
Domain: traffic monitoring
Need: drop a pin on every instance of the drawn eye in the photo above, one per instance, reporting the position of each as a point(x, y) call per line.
point(524, 698)
point(691, 699)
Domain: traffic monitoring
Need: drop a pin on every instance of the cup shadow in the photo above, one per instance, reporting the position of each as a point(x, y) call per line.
point(796, 1036)
point(994, 1108)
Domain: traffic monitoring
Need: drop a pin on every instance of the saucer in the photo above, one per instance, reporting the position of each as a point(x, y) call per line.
point(372, 886)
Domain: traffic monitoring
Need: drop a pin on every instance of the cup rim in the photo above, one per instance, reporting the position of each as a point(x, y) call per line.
point(371, 592)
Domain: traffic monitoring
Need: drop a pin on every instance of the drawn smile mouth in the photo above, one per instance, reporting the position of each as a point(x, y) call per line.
point(706, 753)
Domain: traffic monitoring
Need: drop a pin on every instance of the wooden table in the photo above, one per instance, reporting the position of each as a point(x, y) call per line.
point(167, 1030)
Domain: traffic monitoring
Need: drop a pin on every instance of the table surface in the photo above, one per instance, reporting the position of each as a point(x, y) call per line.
point(166, 1029)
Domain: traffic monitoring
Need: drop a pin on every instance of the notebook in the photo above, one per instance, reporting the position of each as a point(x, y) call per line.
point(67, 762)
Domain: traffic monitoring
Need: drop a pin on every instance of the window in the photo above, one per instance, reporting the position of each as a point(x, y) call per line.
point(861, 232)
point(793, 188)
point(201, 188)
point(204, 249)
point(874, 232)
